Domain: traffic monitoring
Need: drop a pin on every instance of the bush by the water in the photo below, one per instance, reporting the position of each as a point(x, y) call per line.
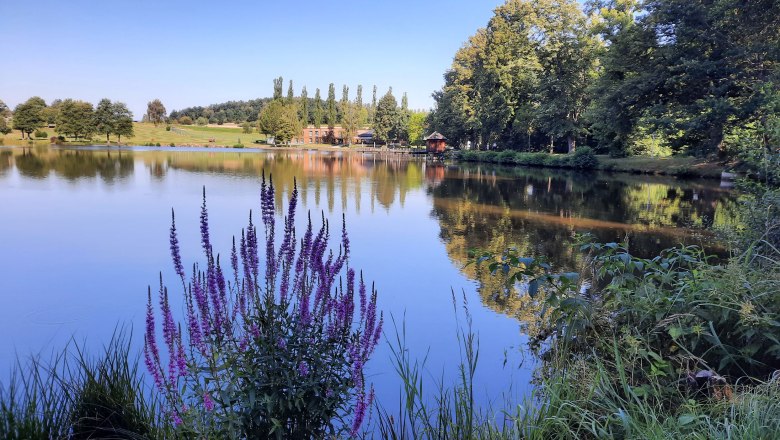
point(275, 351)
point(583, 158)
point(40, 134)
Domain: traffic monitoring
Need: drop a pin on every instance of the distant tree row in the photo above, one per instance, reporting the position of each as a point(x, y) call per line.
point(285, 116)
point(72, 118)
point(618, 74)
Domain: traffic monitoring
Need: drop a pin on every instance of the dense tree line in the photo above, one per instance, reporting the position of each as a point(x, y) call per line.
point(618, 74)
point(73, 118)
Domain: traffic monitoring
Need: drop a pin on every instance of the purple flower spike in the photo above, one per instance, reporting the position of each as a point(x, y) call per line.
point(175, 254)
point(303, 368)
point(208, 402)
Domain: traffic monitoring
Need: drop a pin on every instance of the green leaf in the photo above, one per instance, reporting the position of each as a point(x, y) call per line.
point(686, 419)
point(533, 288)
point(675, 332)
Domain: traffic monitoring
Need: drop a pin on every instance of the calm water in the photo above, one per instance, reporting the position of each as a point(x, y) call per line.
point(83, 232)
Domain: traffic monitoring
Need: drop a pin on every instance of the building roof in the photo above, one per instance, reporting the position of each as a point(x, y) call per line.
point(367, 134)
point(435, 136)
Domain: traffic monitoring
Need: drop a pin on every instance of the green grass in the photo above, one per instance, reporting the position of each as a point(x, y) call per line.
point(76, 396)
point(686, 166)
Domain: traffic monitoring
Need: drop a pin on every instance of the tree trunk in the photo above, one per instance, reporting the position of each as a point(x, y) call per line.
point(715, 141)
point(572, 142)
point(552, 145)
point(107, 141)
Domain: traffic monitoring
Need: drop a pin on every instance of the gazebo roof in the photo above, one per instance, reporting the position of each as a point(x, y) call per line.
point(435, 136)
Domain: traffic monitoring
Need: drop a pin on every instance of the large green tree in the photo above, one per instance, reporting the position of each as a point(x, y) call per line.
point(28, 116)
point(76, 119)
point(155, 112)
point(386, 118)
point(280, 120)
point(104, 118)
point(693, 70)
point(416, 125)
point(122, 119)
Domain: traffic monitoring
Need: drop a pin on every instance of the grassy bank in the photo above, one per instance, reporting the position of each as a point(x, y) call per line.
point(146, 134)
point(583, 158)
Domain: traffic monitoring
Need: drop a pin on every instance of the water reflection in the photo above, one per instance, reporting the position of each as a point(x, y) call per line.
point(477, 207)
point(538, 212)
point(39, 162)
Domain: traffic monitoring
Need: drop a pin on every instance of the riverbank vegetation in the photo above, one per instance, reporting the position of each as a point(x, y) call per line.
point(681, 345)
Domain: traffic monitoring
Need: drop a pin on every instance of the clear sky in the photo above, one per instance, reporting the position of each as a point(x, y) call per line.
point(199, 53)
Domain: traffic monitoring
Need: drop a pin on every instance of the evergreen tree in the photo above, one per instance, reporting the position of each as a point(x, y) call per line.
point(386, 118)
point(290, 93)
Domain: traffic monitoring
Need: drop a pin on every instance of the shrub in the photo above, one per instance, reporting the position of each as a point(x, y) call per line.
point(167, 128)
point(246, 127)
point(172, 144)
point(505, 157)
point(278, 350)
point(157, 144)
point(238, 145)
point(201, 121)
point(185, 120)
point(40, 134)
point(583, 158)
point(489, 156)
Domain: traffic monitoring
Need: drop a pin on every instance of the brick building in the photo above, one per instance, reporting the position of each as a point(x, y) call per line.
point(323, 135)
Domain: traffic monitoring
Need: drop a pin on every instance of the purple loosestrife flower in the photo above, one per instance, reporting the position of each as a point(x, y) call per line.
point(202, 301)
point(175, 254)
point(204, 226)
point(303, 368)
point(208, 402)
point(151, 353)
point(281, 343)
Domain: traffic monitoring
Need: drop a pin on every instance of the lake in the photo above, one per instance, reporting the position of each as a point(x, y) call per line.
point(84, 231)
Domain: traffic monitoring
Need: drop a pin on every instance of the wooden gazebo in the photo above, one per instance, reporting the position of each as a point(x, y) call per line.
point(435, 142)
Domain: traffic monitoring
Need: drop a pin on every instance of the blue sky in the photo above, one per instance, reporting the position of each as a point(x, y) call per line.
point(193, 53)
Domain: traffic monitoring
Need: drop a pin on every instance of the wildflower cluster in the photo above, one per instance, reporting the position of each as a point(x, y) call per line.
point(277, 349)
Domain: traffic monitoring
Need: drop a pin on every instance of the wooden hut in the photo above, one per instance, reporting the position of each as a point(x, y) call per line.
point(435, 143)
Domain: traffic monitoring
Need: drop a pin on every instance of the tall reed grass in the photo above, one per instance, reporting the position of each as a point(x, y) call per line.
point(76, 396)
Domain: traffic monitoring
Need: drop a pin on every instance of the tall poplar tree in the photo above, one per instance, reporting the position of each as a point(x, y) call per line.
point(331, 115)
point(304, 107)
point(318, 109)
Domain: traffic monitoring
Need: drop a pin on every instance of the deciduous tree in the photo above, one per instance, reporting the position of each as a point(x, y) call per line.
point(332, 113)
point(76, 119)
point(28, 116)
point(155, 111)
